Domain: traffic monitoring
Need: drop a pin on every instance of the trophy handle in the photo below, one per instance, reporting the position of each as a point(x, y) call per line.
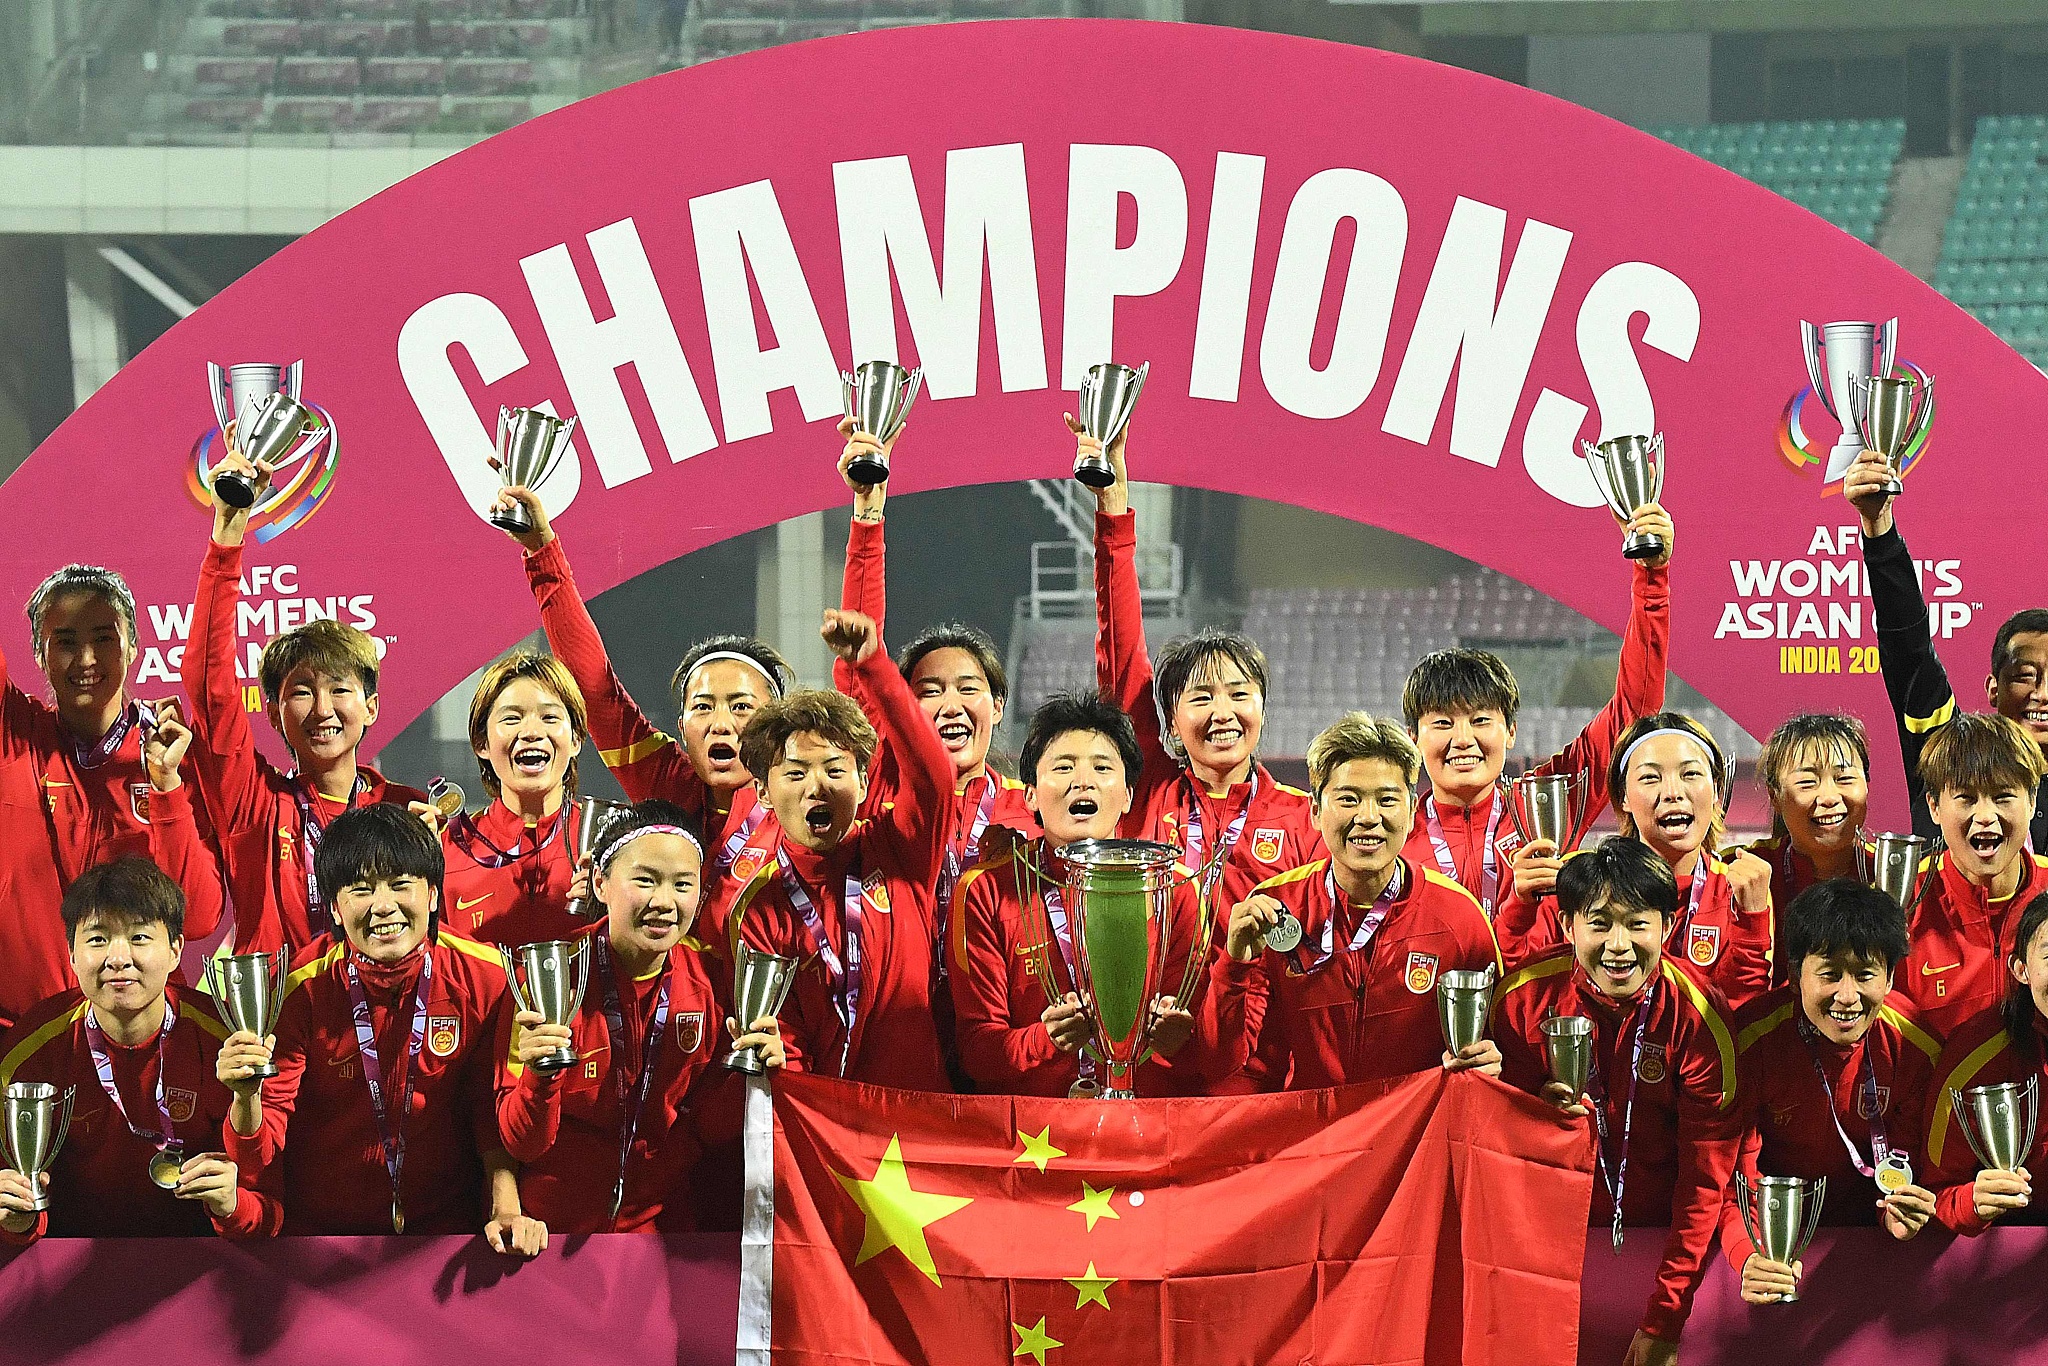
point(1596, 466)
point(846, 395)
point(1923, 417)
point(1579, 797)
point(1961, 1113)
point(2033, 1102)
point(1745, 1205)
point(1888, 348)
point(1656, 449)
point(519, 1001)
point(910, 389)
point(1816, 1198)
point(1809, 342)
point(504, 436)
point(557, 449)
point(583, 968)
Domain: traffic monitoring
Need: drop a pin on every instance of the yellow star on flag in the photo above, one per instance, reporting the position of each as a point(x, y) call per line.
point(1034, 1342)
point(898, 1215)
point(1038, 1148)
point(1091, 1287)
point(1094, 1204)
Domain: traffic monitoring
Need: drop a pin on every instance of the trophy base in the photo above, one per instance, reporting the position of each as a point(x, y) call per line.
point(264, 1072)
point(747, 1061)
point(581, 908)
point(40, 1201)
point(513, 520)
point(234, 490)
point(1643, 546)
point(554, 1062)
point(1114, 1093)
point(1096, 474)
point(870, 472)
point(1893, 488)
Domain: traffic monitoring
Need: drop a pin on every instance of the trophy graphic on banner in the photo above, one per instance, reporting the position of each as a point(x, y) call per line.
point(261, 415)
point(1840, 359)
point(248, 990)
point(1568, 1050)
point(1119, 903)
point(1109, 395)
point(557, 972)
point(1781, 1215)
point(1464, 1001)
point(1895, 869)
point(1893, 412)
point(1548, 806)
point(1999, 1121)
point(1629, 472)
point(34, 1117)
point(592, 815)
point(760, 984)
point(531, 444)
point(878, 395)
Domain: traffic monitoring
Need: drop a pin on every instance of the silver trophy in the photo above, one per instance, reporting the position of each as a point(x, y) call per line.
point(592, 815)
point(878, 395)
point(34, 1117)
point(1999, 1121)
point(1781, 1215)
point(1895, 869)
point(1629, 472)
point(1894, 412)
point(531, 444)
point(1568, 1050)
point(1109, 395)
point(1840, 357)
point(557, 972)
point(1464, 1000)
point(760, 984)
point(248, 990)
point(252, 424)
point(1548, 806)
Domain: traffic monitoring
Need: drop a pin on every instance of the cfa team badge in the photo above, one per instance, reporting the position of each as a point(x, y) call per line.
point(1864, 1099)
point(1266, 845)
point(181, 1103)
point(747, 864)
point(444, 1035)
point(1652, 1069)
point(1703, 944)
point(1421, 972)
point(138, 801)
point(875, 891)
point(690, 1031)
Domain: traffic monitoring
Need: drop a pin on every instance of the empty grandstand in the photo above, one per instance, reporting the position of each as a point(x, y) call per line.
point(1994, 258)
point(1840, 169)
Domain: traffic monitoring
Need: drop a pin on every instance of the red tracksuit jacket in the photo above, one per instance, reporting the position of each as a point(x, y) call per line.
point(253, 807)
point(1980, 1053)
point(100, 1186)
point(318, 1150)
point(178, 845)
point(1279, 830)
point(565, 1127)
point(897, 856)
point(1721, 944)
point(1683, 1146)
point(525, 899)
point(647, 763)
point(57, 819)
point(1791, 873)
point(1956, 966)
point(1789, 1116)
point(1638, 692)
point(1362, 1015)
point(994, 940)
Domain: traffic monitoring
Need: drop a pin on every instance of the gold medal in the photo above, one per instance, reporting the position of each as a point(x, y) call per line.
point(397, 1217)
point(1087, 1088)
point(1894, 1174)
point(165, 1166)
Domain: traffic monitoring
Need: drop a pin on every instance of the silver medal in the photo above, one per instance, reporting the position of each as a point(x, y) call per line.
point(1285, 934)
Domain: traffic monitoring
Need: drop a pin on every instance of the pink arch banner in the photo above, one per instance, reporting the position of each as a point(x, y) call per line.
point(1389, 290)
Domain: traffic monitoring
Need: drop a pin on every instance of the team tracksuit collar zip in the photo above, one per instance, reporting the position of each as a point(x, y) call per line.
point(391, 977)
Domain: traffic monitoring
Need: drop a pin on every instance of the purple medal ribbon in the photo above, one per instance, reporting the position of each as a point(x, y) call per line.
point(103, 1064)
point(390, 1135)
point(1596, 1086)
point(1489, 858)
point(1880, 1148)
point(1692, 904)
point(633, 1097)
point(463, 830)
point(844, 980)
point(311, 828)
point(1063, 940)
point(1213, 872)
point(738, 839)
point(957, 863)
point(89, 757)
point(1368, 927)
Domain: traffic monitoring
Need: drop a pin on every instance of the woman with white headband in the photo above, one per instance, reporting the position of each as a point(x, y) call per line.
point(1665, 781)
point(608, 1142)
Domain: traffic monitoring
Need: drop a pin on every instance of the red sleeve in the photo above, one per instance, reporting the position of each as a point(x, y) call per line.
point(16, 715)
point(995, 1054)
point(863, 589)
point(1123, 668)
point(1735, 1241)
point(1952, 1168)
point(34, 1233)
point(529, 1101)
point(646, 762)
point(914, 826)
point(1708, 1140)
point(258, 1214)
point(1526, 930)
point(177, 847)
point(488, 1006)
point(1229, 1025)
point(1638, 690)
point(229, 771)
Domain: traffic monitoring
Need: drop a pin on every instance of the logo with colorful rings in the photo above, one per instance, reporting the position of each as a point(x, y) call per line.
point(1802, 451)
point(300, 486)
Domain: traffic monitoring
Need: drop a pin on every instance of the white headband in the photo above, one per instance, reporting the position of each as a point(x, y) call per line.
point(774, 684)
point(1712, 762)
point(611, 855)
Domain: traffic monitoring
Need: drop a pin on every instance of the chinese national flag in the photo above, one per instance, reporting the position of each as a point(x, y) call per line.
point(1434, 1218)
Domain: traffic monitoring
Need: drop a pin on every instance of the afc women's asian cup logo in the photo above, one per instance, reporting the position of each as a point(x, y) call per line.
point(1877, 401)
point(304, 471)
